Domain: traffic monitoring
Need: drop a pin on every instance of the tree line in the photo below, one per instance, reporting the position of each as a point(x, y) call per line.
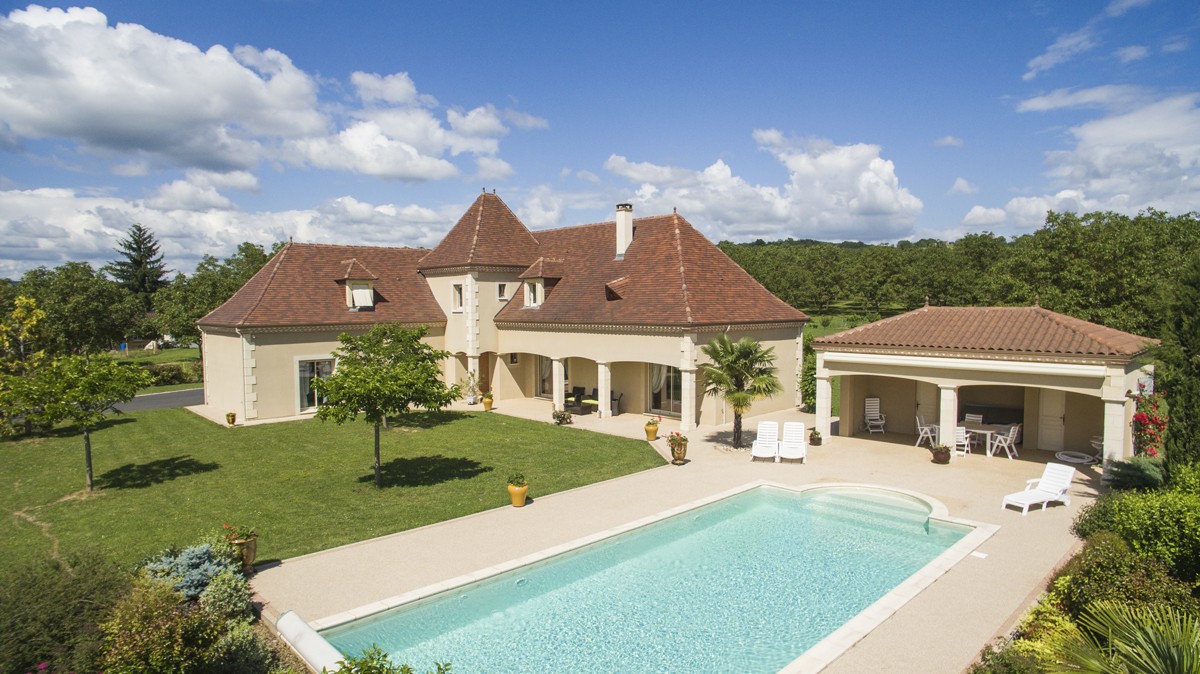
point(1113, 269)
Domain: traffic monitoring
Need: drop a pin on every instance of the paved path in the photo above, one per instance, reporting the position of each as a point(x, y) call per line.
point(163, 401)
point(942, 629)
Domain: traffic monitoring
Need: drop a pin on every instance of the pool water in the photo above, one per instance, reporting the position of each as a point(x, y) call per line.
point(744, 584)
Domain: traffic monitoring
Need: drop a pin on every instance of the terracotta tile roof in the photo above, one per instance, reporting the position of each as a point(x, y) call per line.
point(488, 234)
point(670, 276)
point(1016, 330)
point(355, 271)
point(544, 268)
point(304, 284)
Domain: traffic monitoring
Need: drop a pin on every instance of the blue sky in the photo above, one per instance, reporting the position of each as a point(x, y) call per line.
point(377, 123)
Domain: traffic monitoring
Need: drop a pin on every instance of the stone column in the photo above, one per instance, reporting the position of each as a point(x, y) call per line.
point(1114, 429)
point(604, 389)
point(687, 417)
point(824, 406)
point(948, 415)
point(560, 394)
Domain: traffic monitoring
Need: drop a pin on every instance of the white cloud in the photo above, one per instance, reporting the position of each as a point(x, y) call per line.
point(125, 89)
point(1132, 53)
point(52, 226)
point(365, 148)
point(588, 177)
point(1128, 160)
point(961, 186)
point(948, 141)
point(1175, 45)
point(1068, 46)
point(981, 217)
point(144, 101)
point(493, 168)
point(524, 120)
point(1105, 96)
point(240, 180)
point(832, 191)
point(181, 195)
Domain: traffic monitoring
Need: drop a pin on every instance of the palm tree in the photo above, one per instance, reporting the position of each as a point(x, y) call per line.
point(1117, 638)
point(740, 372)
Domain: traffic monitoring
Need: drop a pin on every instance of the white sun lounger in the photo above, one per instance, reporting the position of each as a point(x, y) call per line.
point(793, 445)
point(766, 441)
point(1053, 485)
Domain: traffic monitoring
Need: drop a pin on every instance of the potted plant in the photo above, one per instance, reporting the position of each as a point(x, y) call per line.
point(678, 443)
point(518, 489)
point(652, 429)
point(245, 539)
point(941, 453)
point(814, 438)
point(231, 418)
point(487, 401)
point(561, 417)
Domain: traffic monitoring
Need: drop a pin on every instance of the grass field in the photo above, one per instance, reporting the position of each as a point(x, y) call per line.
point(182, 355)
point(168, 477)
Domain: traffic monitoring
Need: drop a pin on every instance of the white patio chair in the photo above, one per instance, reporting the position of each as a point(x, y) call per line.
point(793, 445)
point(1007, 442)
point(973, 418)
point(766, 441)
point(1053, 485)
point(926, 432)
point(962, 441)
point(873, 418)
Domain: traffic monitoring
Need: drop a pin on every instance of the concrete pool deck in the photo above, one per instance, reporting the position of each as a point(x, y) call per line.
point(941, 629)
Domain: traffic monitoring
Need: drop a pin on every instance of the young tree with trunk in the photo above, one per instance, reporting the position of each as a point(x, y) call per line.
point(84, 389)
point(22, 354)
point(140, 268)
point(740, 372)
point(86, 312)
point(387, 371)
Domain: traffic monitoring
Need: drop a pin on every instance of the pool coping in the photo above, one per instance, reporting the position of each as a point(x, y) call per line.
point(815, 658)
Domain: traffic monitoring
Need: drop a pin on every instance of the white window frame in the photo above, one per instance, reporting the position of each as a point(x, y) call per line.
point(533, 289)
point(355, 289)
point(300, 409)
point(456, 298)
point(502, 291)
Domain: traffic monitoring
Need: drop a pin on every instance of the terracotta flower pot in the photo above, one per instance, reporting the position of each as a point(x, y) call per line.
point(942, 457)
point(231, 418)
point(248, 550)
point(518, 495)
point(678, 454)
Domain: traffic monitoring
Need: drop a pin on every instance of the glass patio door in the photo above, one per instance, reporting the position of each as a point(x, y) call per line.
point(310, 370)
point(666, 382)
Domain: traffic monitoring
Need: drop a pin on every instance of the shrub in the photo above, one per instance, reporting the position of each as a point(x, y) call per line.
point(222, 550)
point(1002, 658)
point(191, 570)
point(1106, 569)
point(1043, 629)
point(1184, 477)
point(1163, 525)
point(227, 597)
point(1140, 472)
point(241, 650)
point(49, 612)
point(152, 632)
point(375, 661)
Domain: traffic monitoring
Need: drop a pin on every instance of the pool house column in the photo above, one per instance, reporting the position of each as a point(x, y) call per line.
point(824, 406)
point(948, 410)
point(1114, 429)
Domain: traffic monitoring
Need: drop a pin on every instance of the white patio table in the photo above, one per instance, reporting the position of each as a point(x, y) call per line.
point(987, 431)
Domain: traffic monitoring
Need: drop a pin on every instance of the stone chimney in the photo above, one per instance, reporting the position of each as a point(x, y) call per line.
point(624, 229)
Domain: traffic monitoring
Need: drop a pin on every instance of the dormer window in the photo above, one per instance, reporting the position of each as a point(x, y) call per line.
point(456, 297)
point(360, 296)
point(502, 291)
point(533, 292)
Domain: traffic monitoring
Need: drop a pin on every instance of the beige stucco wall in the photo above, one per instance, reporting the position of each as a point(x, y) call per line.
point(897, 401)
point(1083, 418)
point(223, 372)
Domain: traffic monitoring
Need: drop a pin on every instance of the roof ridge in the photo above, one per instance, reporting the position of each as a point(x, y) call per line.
point(278, 259)
point(1094, 335)
point(687, 302)
point(478, 224)
point(604, 222)
point(889, 319)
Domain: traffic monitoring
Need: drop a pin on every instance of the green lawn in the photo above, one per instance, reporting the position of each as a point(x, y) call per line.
point(182, 355)
point(170, 387)
point(167, 477)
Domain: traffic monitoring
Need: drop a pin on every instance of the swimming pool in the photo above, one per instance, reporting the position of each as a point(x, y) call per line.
point(751, 581)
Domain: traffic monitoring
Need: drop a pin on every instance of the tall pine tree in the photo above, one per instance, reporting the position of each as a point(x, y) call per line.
point(140, 269)
point(1180, 357)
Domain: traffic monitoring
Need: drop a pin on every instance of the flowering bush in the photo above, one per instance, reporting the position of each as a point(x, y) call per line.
point(1149, 423)
point(653, 422)
point(237, 532)
point(676, 440)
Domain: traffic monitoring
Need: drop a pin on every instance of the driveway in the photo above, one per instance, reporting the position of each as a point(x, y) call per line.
point(162, 401)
